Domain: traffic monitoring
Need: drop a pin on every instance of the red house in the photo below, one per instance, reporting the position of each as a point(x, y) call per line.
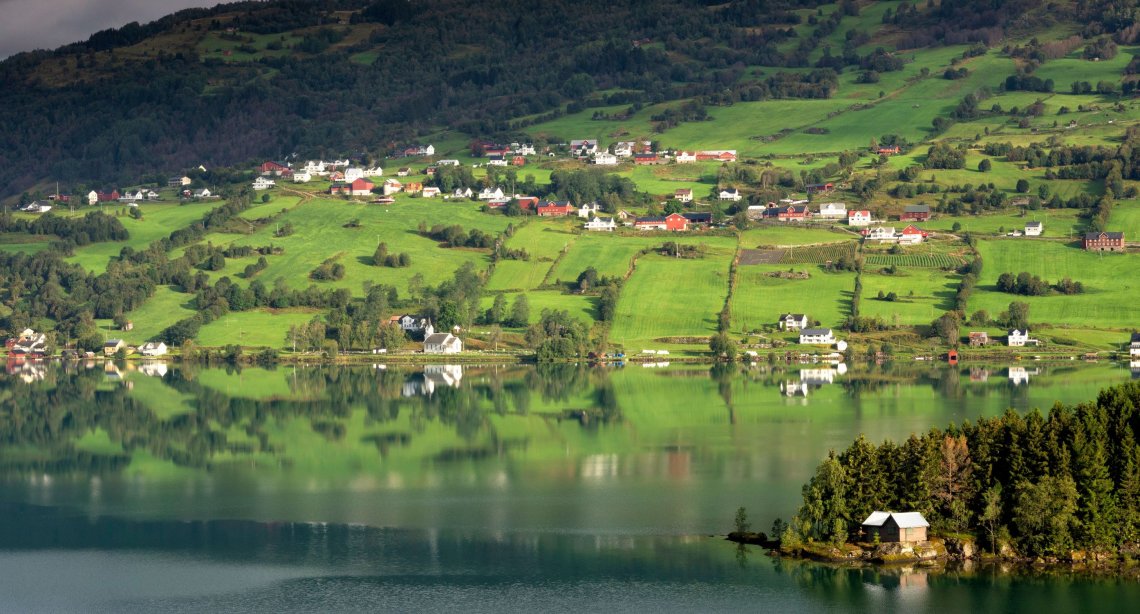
point(107, 197)
point(527, 203)
point(272, 168)
point(720, 155)
point(915, 213)
point(791, 213)
point(645, 158)
point(554, 209)
point(1103, 241)
point(360, 187)
point(820, 188)
point(888, 151)
point(673, 221)
point(676, 221)
point(518, 161)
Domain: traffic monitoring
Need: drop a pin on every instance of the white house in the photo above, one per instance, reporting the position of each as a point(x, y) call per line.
point(685, 157)
point(729, 194)
point(881, 233)
point(623, 149)
point(353, 173)
point(817, 336)
point(683, 195)
point(413, 323)
point(859, 218)
point(447, 163)
point(462, 193)
point(302, 177)
point(314, 167)
point(525, 149)
point(1134, 347)
point(442, 343)
point(588, 210)
point(39, 206)
point(490, 194)
point(261, 183)
point(430, 192)
point(793, 321)
point(203, 193)
point(584, 147)
point(601, 224)
point(833, 210)
point(1019, 338)
point(153, 348)
point(603, 158)
point(375, 171)
point(391, 186)
point(1034, 229)
point(93, 198)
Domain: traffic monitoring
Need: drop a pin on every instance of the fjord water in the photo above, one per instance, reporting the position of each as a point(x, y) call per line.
point(483, 488)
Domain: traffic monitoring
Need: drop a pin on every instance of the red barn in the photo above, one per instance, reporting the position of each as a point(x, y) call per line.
point(645, 158)
point(791, 213)
point(915, 213)
point(888, 151)
point(1103, 241)
point(272, 168)
point(526, 203)
point(554, 209)
point(518, 161)
point(820, 188)
point(676, 221)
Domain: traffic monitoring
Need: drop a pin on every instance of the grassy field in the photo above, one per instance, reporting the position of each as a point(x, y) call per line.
point(777, 235)
point(158, 221)
point(582, 307)
point(1109, 300)
point(517, 275)
point(253, 328)
point(163, 309)
point(1057, 222)
point(759, 299)
point(933, 293)
point(686, 305)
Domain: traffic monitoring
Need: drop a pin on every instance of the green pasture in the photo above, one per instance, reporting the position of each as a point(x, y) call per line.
point(1072, 68)
point(158, 221)
point(580, 306)
point(1057, 222)
point(668, 297)
point(253, 328)
point(923, 294)
point(759, 299)
point(164, 308)
point(543, 238)
point(1110, 283)
point(1126, 217)
point(517, 275)
point(744, 127)
point(782, 235)
point(609, 253)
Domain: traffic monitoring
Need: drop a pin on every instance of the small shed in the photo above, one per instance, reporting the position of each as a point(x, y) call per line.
point(896, 526)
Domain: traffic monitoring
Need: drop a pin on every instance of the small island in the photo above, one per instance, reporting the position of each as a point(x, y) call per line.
point(1059, 490)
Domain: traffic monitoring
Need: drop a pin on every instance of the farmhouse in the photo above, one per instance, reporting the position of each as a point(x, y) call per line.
point(391, 186)
point(447, 162)
point(703, 218)
point(203, 193)
point(1104, 242)
point(817, 336)
point(684, 195)
point(915, 213)
point(272, 168)
point(623, 149)
point(302, 177)
point(39, 206)
point(887, 151)
point(29, 342)
point(430, 192)
point(526, 203)
point(412, 187)
point(413, 323)
point(894, 527)
point(720, 155)
point(979, 339)
point(859, 218)
point(604, 158)
point(359, 187)
point(442, 343)
point(601, 224)
point(555, 209)
point(820, 188)
point(584, 147)
point(1033, 229)
point(729, 194)
point(673, 221)
point(403, 172)
point(1134, 347)
point(790, 213)
point(261, 183)
point(1019, 338)
point(884, 234)
point(911, 236)
point(685, 157)
point(496, 160)
point(792, 321)
point(490, 194)
point(645, 158)
point(178, 182)
point(153, 348)
point(462, 193)
point(588, 210)
point(833, 211)
point(112, 346)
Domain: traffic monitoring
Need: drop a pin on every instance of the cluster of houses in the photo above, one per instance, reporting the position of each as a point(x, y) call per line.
point(1015, 338)
point(808, 335)
point(32, 343)
point(641, 152)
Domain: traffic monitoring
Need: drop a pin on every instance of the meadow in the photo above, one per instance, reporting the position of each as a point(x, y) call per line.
point(669, 297)
point(759, 298)
point(1109, 299)
point(257, 328)
point(923, 294)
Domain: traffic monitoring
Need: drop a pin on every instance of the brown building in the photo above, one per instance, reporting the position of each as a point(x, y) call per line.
point(915, 213)
point(979, 339)
point(1103, 241)
point(896, 527)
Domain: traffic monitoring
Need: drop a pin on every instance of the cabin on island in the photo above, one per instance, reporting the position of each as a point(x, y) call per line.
point(891, 527)
point(1104, 241)
point(836, 211)
point(604, 158)
point(729, 194)
point(979, 339)
point(153, 348)
point(1019, 338)
point(817, 336)
point(601, 224)
point(859, 218)
point(683, 195)
point(1034, 229)
point(915, 213)
point(793, 321)
point(112, 346)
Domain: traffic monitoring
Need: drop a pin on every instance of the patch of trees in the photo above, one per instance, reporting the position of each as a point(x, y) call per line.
point(682, 250)
point(94, 227)
point(1028, 83)
point(944, 155)
point(557, 335)
point(455, 236)
point(381, 257)
point(1100, 49)
point(953, 74)
point(1045, 485)
point(329, 270)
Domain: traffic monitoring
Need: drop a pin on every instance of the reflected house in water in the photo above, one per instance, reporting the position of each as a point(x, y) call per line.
point(979, 374)
point(153, 368)
point(1135, 367)
point(28, 371)
point(1020, 375)
point(432, 377)
point(812, 378)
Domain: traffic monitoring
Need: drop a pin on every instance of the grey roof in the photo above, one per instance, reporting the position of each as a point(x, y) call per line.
point(904, 520)
point(798, 316)
point(1091, 236)
point(917, 209)
point(1032, 224)
point(436, 339)
point(812, 332)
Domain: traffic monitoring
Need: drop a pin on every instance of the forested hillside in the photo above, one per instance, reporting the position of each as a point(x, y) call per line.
point(246, 80)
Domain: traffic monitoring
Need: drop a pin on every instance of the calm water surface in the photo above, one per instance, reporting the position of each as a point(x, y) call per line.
point(488, 489)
